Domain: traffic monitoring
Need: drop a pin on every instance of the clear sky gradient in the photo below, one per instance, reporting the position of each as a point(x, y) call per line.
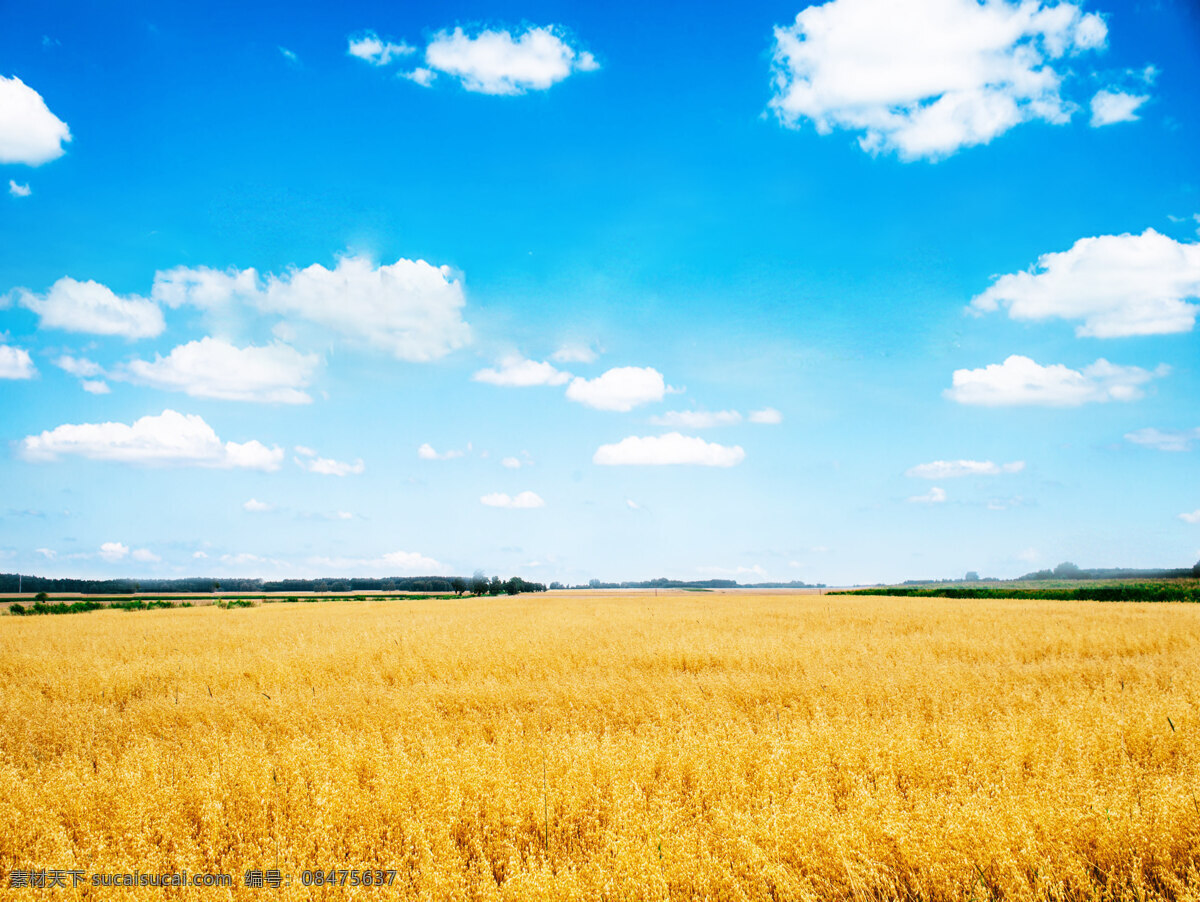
point(854, 292)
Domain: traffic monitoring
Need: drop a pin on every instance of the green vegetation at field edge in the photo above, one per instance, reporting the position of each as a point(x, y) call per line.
point(1059, 590)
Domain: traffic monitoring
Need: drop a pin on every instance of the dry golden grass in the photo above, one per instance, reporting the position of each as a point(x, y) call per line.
point(601, 747)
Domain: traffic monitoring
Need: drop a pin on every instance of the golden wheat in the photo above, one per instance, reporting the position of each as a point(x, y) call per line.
point(612, 747)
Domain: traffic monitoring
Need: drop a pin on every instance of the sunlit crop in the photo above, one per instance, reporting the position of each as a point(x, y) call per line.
point(602, 747)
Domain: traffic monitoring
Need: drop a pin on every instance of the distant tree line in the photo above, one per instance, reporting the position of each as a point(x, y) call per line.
point(477, 585)
point(1067, 570)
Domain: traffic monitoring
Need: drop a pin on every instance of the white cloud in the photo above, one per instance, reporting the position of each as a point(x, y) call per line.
point(214, 368)
point(494, 62)
point(372, 49)
point(697, 419)
point(113, 551)
point(422, 76)
point(1118, 285)
point(393, 563)
point(512, 463)
point(934, 496)
point(290, 55)
point(1164, 439)
point(621, 388)
point(19, 190)
point(632, 505)
point(952, 469)
point(410, 308)
point(523, 500)
point(203, 287)
point(145, 556)
point(672, 448)
point(15, 363)
point(257, 507)
point(48, 553)
point(84, 369)
point(768, 416)
point(1020, 380)
point(1115, 106)
point(517, 372)
point(169, 439)
point(427, 452)
point(927, 77)
point(29, 132)
point(199, 555)
point(574, 353)
point(1193, 517)
point(79, 366)
point(308, 459)
point(91, 307)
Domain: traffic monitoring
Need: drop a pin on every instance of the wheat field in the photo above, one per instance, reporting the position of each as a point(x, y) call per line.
point(699, 746)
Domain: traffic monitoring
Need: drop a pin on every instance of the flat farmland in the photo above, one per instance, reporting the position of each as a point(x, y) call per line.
point(692, 746)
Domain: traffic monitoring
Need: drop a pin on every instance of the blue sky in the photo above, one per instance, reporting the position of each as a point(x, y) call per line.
point(853, 292)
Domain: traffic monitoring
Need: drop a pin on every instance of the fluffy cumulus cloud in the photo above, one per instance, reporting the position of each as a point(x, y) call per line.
point(934, 496)
point(1164, 439)
point(1193, 517)
point(29, 132)
point(927, 77)
point(621, 388)
point(410, 308)
point(1117, 285)
point(516, 371)
point(213, 368)
point(523, 500)
point(672, 448)
point(19, 189)
point(15, 363)
point(370, 48)
point(498, 62)
point(308, 459)
point(169, 439)
point(255, 506)
point(90, 307)
point(1021, 381)
point(952, 469)
point(113, 551)
point(1115, 106)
